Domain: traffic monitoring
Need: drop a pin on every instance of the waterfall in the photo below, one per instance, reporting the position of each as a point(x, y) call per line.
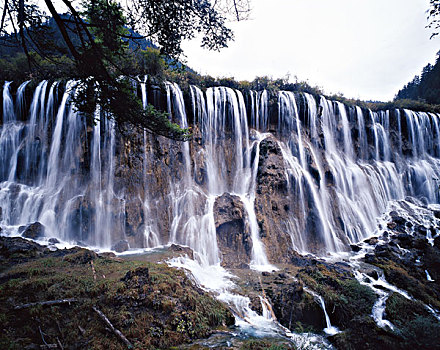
point(341, 169)
point(221, 112)
point(151, 236)
point(42, 179)
point(329, 329)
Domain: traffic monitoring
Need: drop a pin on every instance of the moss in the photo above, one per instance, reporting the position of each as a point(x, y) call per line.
point(154, 305)
point(401, 276)
point(414, 324)
point(265, 344)
point(364, 334)
point(344, 296)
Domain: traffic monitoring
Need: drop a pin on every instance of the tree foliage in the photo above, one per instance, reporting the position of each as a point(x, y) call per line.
point(105, 41)
point(434, 17)
point(425, 87)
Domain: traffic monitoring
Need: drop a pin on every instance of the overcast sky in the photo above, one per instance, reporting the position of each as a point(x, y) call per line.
point(365, 49)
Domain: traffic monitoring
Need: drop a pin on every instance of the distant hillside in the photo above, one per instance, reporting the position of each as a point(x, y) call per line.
point(10, 45)
point(425, 87)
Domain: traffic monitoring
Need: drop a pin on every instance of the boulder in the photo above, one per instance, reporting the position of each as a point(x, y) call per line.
point(33, 231)
point(15, 247)
point(80, 256)
point(355, 247)
point(121, 246)
point(53, 241)
point(182, 250)
point(372, 241)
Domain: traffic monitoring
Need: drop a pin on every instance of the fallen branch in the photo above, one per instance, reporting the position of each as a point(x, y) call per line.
point(116, 331)
point(44, 303)
point(93, 269)
point(59, 344)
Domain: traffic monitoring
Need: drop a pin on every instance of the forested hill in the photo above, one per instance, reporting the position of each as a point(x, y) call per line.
point(47, 38)
point(425, 87)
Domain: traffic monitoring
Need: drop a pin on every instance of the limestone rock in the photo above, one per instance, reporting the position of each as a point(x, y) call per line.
point(53, 240)
point(272, 205)
point(233, 235)
point(34, 231)
point(183, 250)
point(121, 246)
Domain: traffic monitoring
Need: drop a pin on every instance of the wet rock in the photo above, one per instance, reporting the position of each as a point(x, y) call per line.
point(300, 261)
point(386, 251)
point(80, 256)
point(420, 243)
point(34, 231)
point(399, 220)
point(292, 305)
point(355, 247)
point(13, 250)
point(391, 225)
point(121, 246)
point(183, 250)
point(373, 274)
point(233, 235)
point(53, 240)
point(436, 213)
point(370, 258)
point(437, 242)
point(133, 217)
point(273, 207)
point(108, 255)
point(255, 304)
point(282, 275)
point(372, 241)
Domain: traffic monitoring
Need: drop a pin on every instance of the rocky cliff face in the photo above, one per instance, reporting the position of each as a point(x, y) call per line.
point(232, 231)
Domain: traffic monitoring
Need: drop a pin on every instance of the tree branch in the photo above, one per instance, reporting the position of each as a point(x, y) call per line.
point(116, 331)
point(44, 303)
point(63, 30)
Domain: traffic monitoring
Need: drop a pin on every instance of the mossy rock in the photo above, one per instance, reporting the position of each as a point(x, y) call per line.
point(82, 256)
point(153, 305)
point(365, 334)
point(266, 344)
point(344, 296)
point(416, 326)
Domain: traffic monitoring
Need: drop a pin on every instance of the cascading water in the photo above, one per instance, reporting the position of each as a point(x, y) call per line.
point(226, 172)
point(342, 167)
point(42, 168)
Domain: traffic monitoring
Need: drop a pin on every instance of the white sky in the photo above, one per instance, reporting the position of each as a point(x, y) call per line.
point(365, 49)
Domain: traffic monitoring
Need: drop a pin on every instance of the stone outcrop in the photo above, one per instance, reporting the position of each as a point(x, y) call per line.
point(121, 246)
point(233, 235)
point(34, 231)
point(272, 205)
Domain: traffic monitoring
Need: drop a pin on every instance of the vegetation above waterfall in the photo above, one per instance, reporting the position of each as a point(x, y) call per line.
point(426, 87)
